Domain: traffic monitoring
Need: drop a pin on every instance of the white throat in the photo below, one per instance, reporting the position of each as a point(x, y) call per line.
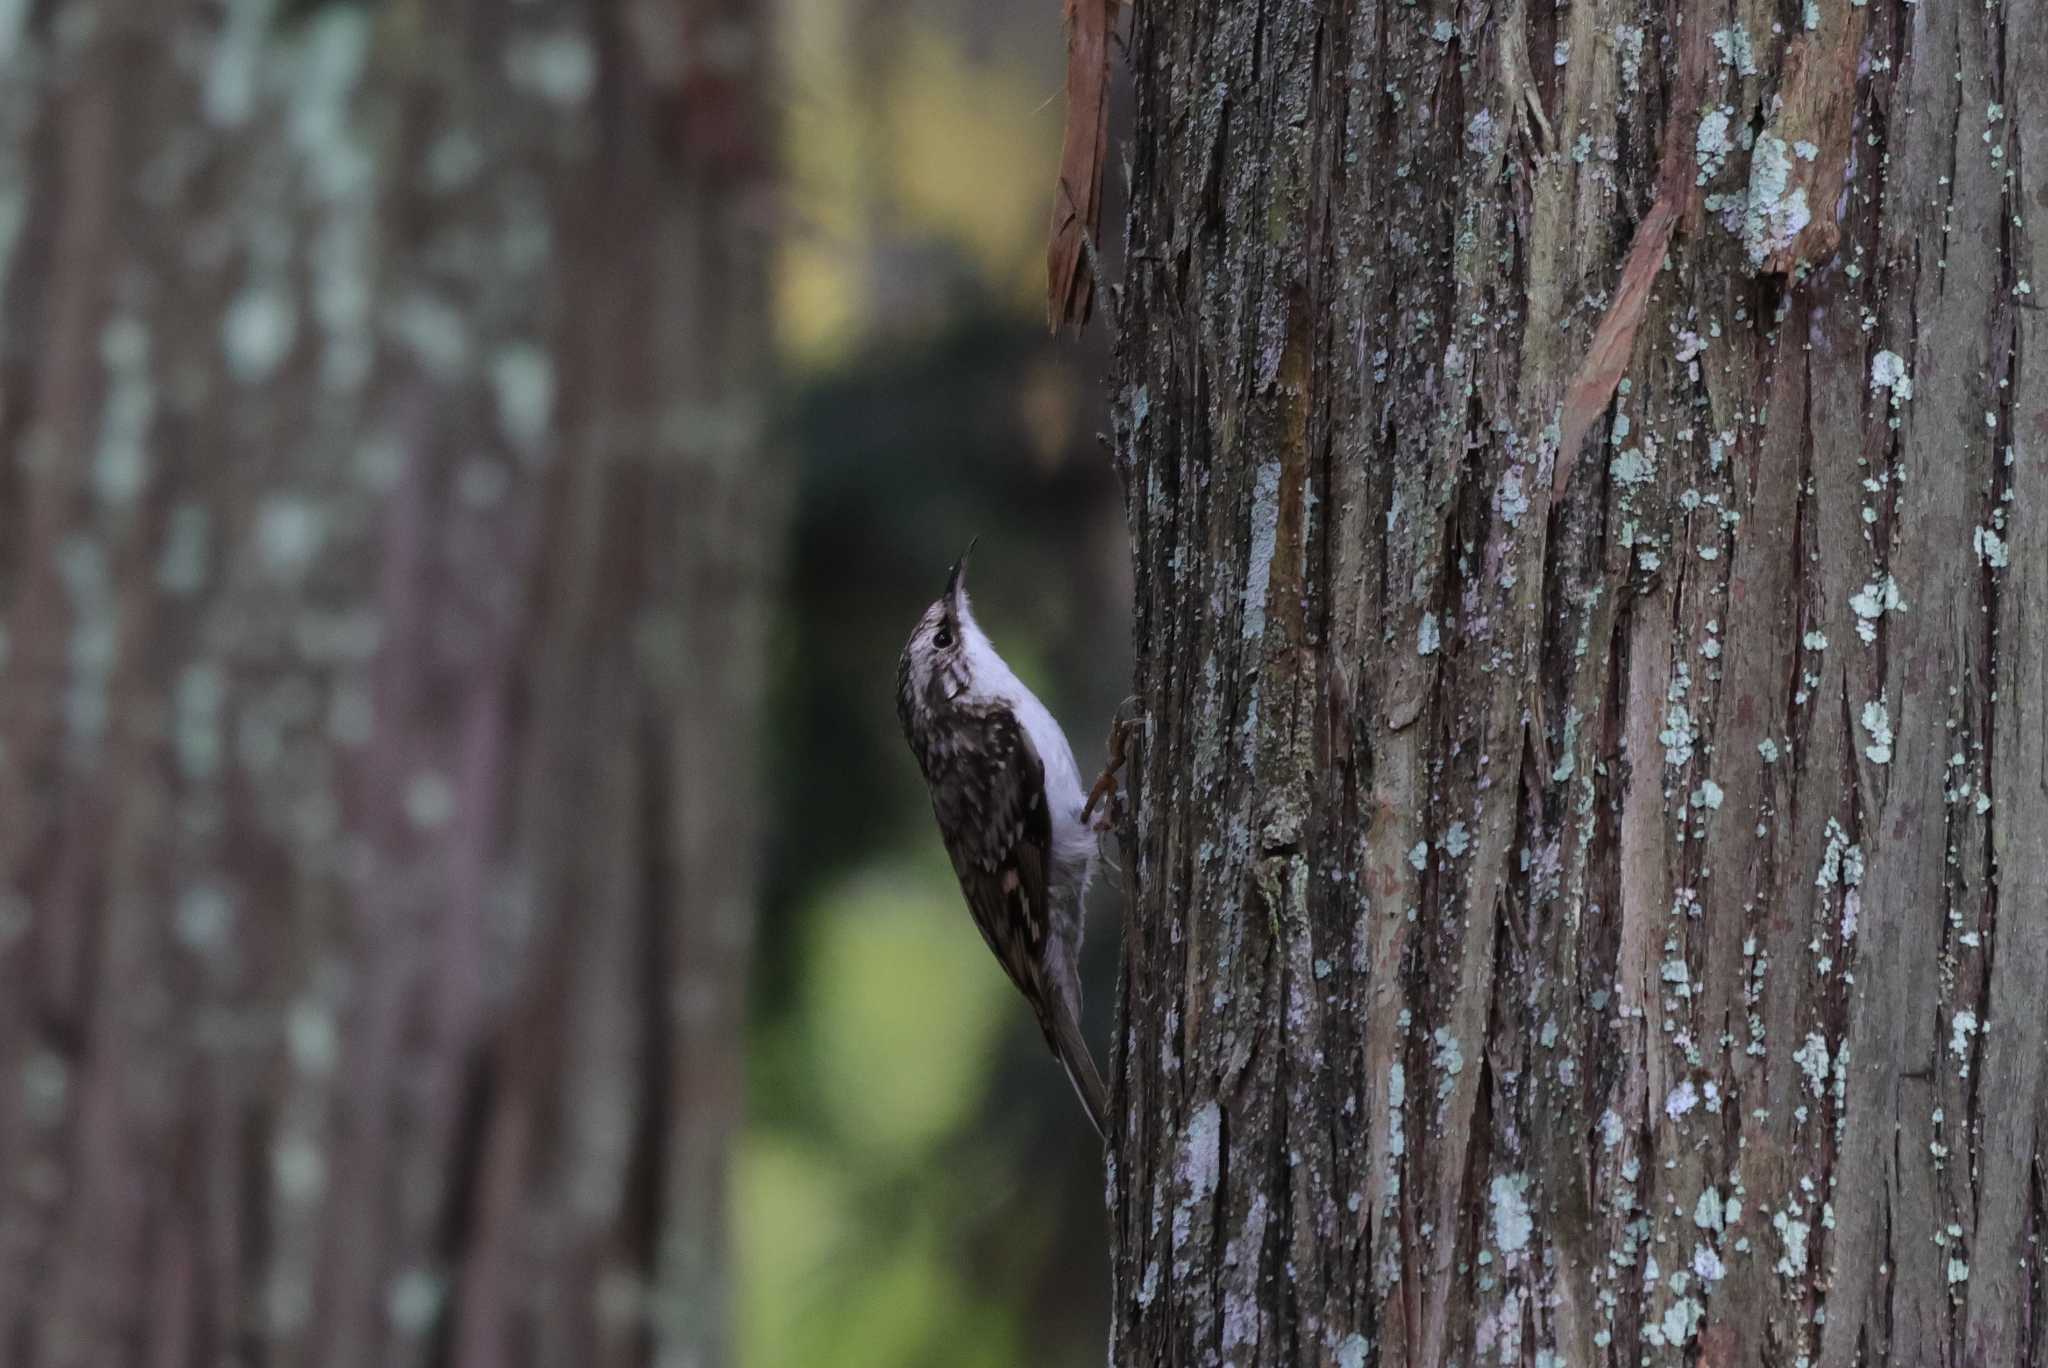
point(996, 682)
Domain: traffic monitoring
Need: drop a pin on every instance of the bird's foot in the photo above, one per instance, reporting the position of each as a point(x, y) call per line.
point(1105, 788)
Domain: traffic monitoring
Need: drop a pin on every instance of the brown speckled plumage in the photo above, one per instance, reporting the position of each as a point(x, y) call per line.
point(1010, 816)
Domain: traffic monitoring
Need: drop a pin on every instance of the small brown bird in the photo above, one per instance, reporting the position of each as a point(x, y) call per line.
point(1012, 812)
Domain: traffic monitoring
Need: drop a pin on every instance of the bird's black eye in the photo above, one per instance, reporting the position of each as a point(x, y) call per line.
point(943, 638)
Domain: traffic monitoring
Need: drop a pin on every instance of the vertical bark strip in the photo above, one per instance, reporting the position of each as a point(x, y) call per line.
point(1583, 896)
point(384, 543)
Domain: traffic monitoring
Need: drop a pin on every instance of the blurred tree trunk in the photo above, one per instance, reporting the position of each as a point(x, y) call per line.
point(384, 539)
point(1597, 924)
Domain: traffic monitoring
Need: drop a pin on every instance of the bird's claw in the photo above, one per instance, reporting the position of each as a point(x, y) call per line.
point(1112, 810)
point(1105, 788)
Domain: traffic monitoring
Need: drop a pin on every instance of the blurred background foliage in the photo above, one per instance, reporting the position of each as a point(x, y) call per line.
point(917, 1185)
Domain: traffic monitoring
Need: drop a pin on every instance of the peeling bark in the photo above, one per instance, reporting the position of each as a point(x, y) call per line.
point(1572, 883)
point(384, 538)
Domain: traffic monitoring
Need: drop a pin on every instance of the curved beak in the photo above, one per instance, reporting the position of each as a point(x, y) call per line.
point(956, 579)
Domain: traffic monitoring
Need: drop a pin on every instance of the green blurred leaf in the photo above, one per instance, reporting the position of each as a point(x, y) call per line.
point(793, 1213)
point(905, 1008)
point(818, 1286)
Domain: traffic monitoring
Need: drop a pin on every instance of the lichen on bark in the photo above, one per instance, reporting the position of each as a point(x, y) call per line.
point(1558, 872)
point(385, 534)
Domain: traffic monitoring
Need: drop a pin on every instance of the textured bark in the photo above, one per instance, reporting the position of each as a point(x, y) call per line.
point(1597, 925)
point(383, 543)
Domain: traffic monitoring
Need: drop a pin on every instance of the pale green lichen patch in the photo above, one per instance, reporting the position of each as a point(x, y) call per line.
point(1812, 1059)
point(342, 302)
point(1877, 725)
point(1712, 143)
point(1263, 548)
point(325, 69)
point(204, 918)
point(1511, 500)
point(1842, 861)
point(1450, 1061)
point(1148, 1285)
point(287, 1299)
point(1678, 735)
point(1199, 1169)
point(379, 464)
point(523, 381)
point(433, 331)
point(121, 463)
point(351, 717)
point(1628, 41)
point(1888, 372)
point(290, 531)
point(1680, 1322)
point(1397, 1100)
point(257, 333)
point(1512, 1223)
point(181, 568)
point(45, 1088)
point(228, 98)
point(13, 17)
point(412, 1302)
point(197, 700)
point(1962, 1026)
point(95, 635)
point(1872, 602)
point(559, 67)
point(13, 216)
point(1792, 1235)
point(1632, 467)
point(1774, 214)
point(429, 800)
point(311, 1041)
point(1735, 48)
point(299, 1169)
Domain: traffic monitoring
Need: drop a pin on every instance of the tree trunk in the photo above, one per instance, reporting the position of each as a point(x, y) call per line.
point(383, 537)
point(1587, 471)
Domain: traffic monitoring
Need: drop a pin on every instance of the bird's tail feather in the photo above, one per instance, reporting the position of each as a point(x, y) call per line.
point(1064, 1033)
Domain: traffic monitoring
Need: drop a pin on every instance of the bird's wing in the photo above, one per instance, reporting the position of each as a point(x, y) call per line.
point(1000, 839)
point(1001, 857)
